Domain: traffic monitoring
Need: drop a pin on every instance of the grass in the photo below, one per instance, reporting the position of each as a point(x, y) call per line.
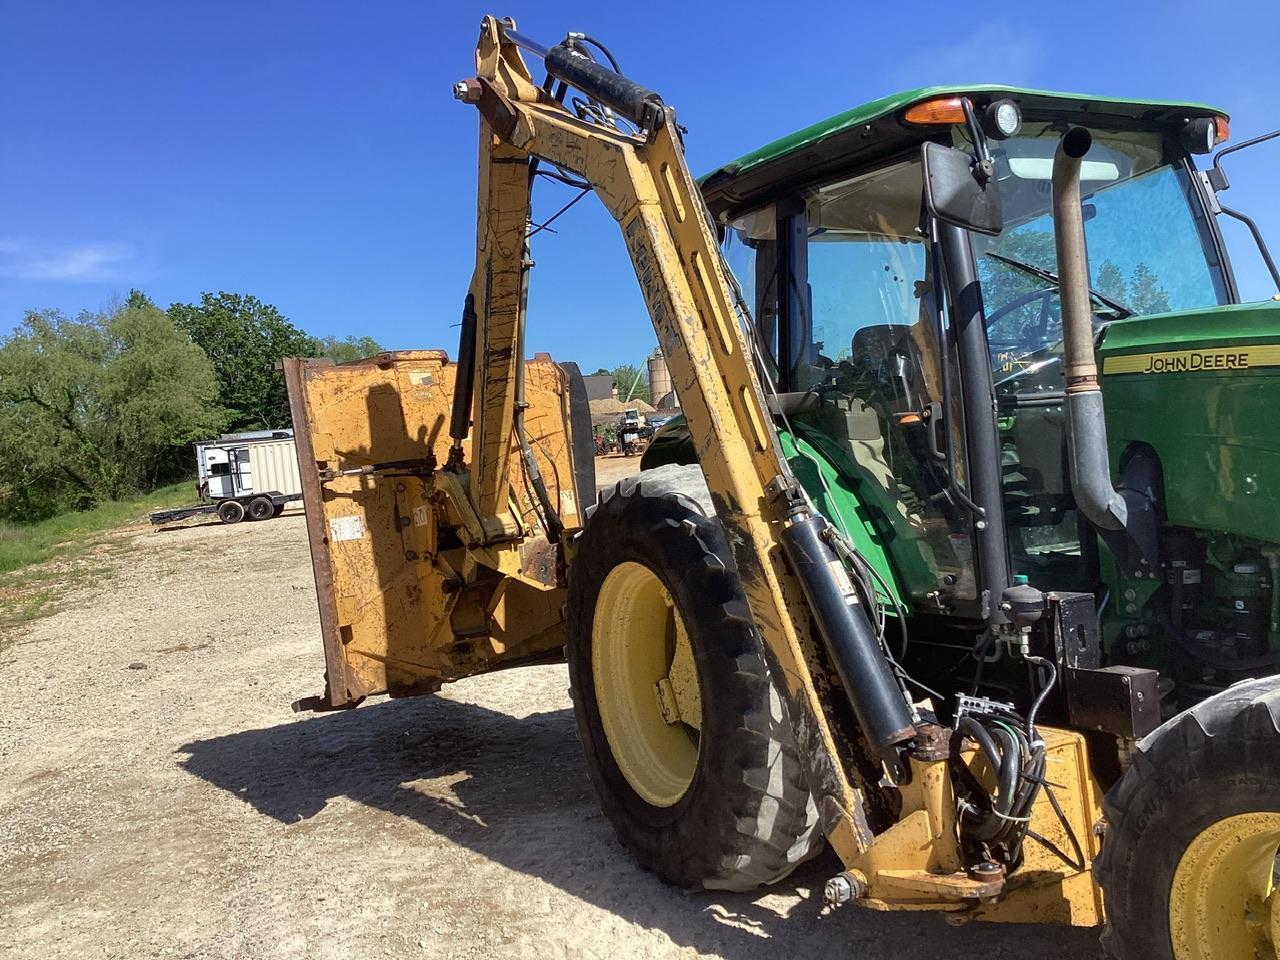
point(24, 544)
point(31, 581)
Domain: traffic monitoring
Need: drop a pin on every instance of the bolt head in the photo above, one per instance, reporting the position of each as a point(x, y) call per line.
point(986, 870)
point(842, 888)
point(837, 891)
point(468, 91)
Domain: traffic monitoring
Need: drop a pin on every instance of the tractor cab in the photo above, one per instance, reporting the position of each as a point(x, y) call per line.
point(918, 377)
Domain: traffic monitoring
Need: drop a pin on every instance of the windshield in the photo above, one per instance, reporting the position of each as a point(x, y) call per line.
point(1148, 244)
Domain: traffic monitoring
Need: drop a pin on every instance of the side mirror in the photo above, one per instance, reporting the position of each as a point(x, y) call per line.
point(955, 194)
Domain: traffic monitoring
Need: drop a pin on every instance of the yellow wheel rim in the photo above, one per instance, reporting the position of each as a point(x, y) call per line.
point(646, 684)
point(1223, 904)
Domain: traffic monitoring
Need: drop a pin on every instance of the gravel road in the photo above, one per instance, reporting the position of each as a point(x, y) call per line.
point(158, 798)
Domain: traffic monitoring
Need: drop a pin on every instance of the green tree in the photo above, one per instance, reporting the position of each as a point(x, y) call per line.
point(1110, 282)
point(632, 382)
point(349, 348)
point(245, 338)
point(97, 407)
point(137, 298)
point(1146, 295)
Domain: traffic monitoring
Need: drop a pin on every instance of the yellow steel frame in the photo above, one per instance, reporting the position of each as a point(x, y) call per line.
point(403, 609)
point(647, 187)
point(645, 184)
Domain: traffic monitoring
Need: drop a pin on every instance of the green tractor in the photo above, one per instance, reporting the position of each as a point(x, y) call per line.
point(975, 519)
point(921, 391)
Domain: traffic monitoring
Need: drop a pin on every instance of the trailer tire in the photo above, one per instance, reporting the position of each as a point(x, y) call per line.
point(277, 509)
point(1201, 799)
point(231, 511)
point(261, 508)
point(745, 816)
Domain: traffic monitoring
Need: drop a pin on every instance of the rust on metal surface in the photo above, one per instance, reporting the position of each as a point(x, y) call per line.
point(335, 692)
point(933, 742)
point(404, 606)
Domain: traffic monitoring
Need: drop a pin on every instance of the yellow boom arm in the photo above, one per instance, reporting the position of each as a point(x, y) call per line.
point(645, 184)
point(911, 859)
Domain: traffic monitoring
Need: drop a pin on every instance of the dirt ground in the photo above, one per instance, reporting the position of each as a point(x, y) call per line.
point(158, 798)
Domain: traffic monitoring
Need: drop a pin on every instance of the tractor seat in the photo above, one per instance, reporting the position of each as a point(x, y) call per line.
point(888, 355)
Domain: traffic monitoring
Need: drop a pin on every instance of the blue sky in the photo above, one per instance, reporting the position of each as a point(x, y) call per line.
point(311, 153)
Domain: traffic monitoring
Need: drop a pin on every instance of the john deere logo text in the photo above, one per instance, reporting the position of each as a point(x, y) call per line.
point(1193, 361)
point(1182, 362)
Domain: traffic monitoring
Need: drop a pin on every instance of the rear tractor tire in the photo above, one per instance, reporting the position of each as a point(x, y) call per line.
point(1189, 860)
point(230, 511)
point(261, 508)
point(686, 738)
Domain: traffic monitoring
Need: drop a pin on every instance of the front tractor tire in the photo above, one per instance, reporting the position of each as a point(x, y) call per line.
point(1189, 860)
point(686, 738)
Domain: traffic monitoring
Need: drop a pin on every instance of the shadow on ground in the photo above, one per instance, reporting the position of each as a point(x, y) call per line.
point(517, 777)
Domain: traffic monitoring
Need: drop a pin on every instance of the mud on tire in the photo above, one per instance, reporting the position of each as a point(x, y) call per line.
point(747, 817)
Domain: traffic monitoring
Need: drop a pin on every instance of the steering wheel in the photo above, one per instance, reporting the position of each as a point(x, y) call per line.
point(1018, 349)
point(1045, 295)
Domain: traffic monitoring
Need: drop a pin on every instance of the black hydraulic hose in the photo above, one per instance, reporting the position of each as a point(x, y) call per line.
point(1031, 782)
point(585, 38)
point(976, 732)
point(989, 826)
point(1031, 778)
point(1009, 770)
point(1079, 863)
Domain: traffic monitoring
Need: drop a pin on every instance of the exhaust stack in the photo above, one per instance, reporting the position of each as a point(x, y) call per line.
point(1087, 429)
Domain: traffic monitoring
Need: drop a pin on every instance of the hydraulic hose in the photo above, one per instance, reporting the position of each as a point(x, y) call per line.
point(1004, 757)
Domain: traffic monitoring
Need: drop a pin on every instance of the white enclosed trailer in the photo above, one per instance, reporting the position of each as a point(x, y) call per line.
point(243, 474)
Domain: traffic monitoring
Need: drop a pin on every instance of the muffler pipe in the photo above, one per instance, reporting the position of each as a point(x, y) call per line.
point(1091, 484)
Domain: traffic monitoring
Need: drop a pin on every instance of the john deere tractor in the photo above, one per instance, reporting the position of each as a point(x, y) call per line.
point(964, 556)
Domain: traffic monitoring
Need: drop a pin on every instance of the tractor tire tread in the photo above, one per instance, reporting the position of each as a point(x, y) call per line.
point(754, 820)
point(1151, 814)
